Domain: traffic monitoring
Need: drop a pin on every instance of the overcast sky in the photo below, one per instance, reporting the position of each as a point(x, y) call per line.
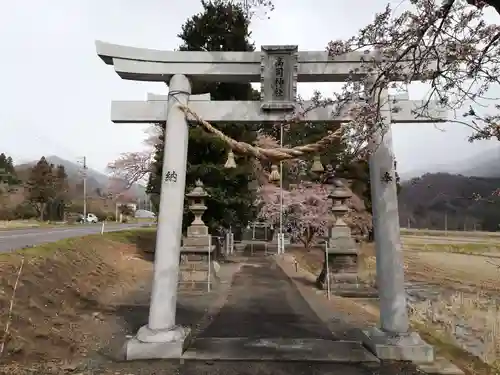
point(56, 92)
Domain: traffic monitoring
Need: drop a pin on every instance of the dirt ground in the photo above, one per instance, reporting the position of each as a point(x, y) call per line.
point(454, 270)
point(64, 297)
point(445, 265)
point(69, 294)
point(464, 316)
point(444, 268)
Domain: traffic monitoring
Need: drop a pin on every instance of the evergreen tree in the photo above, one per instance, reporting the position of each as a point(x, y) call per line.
point(8, 182)
point(57, 207)
point(8, 176)
point(60, 181)
point(221, 26)
point(41, 186)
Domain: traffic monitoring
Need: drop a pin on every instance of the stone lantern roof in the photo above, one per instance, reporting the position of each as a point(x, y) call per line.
point(198, 191)
point(339, 195)
point(340, 192)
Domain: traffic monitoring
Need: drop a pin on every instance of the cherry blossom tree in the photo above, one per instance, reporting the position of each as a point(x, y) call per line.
point(132, 167)
point(306, 210)
point(452, 44)
point(118, 189)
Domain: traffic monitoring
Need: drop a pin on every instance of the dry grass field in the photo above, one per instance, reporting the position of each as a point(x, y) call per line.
point(451, 233)
point(57, 300)
point(453, 286)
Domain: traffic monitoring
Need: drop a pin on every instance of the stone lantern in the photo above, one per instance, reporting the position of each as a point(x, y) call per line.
point(196, 200)
point(339, 197)
point(198, 269)
point(342, 251)
point(341, 254)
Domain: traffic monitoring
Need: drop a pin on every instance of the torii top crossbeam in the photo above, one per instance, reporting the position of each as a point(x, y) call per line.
point(142, 64)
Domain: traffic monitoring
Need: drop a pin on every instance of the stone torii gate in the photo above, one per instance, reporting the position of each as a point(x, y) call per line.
point(278, 69)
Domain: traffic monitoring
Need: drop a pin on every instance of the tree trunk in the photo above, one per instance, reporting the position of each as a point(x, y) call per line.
point(371, 235)
point(321, 279)
point(42, 211)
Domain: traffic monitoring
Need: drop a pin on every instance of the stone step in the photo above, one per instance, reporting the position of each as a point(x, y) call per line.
point(277, 349)
point(201, 287)
point(441, 366)
point(353, 292)
point(194, 265)
point(194, 270)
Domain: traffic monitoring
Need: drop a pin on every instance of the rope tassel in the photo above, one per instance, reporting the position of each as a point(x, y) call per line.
point(230, 163)
point(275, 174)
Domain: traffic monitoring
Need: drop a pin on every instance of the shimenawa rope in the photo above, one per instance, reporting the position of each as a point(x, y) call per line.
point(272, 154)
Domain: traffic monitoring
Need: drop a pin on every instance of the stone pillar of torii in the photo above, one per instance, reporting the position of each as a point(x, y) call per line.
point(278, 69)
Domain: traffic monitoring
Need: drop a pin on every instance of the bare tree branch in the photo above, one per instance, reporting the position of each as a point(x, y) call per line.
point(132, 167)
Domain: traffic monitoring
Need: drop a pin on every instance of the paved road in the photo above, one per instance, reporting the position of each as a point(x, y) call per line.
point(19, 238)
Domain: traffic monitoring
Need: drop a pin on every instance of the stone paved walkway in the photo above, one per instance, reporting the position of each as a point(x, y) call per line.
point(261, 303)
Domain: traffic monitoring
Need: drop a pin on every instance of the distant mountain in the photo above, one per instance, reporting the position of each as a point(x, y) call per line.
point(95, 179)
point(407, 176)
point(486, 164)
point(445, 196)
point(455, 202)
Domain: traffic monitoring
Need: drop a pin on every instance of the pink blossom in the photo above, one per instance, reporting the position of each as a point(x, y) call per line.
point(306, 210)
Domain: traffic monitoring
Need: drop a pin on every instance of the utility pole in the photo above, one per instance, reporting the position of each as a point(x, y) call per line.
point(85, 187)
point(84, 175)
